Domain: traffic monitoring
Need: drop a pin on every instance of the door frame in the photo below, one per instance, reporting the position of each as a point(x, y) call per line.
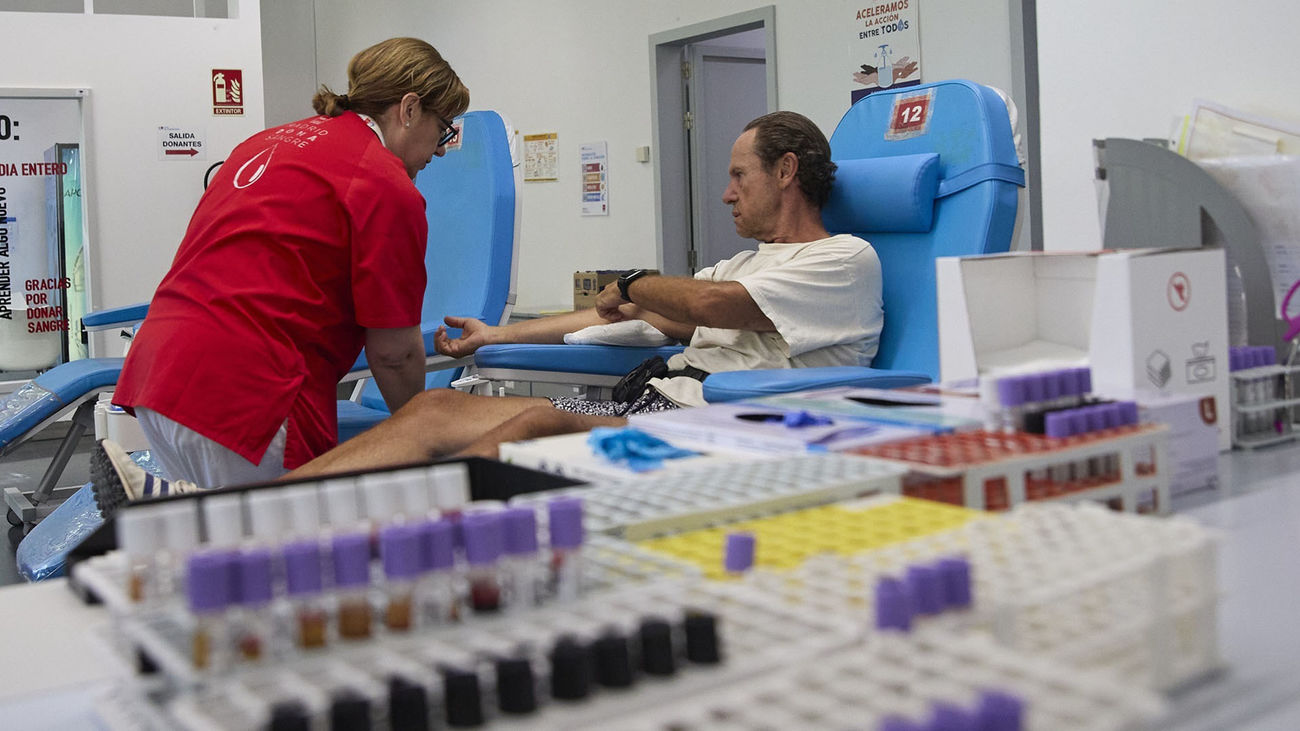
point(667, 106)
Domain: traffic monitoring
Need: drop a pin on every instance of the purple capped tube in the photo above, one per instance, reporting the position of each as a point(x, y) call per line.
point(303, 584)
point(483, 548)
point(399, 553)
point(521, 563)
point(350, 553)
point(210, 591)
point(564, 522)
point(436, 589)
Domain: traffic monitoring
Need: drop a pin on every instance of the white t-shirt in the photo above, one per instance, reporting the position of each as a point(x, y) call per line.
point(823, 297)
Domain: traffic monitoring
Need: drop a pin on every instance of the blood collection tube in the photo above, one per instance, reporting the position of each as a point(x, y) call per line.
point(436, 590)
point(180, 531)
point(1035, 396)
point(350, 555)
point(223, 520)
point(1054, 389)
point(342, 504)
point(1076, 427)
point(516, 686)
point(955, 578)
point(523, 571)
point(140, 534)
point(1237, 362)
point(209, 588)
point(1275, 390)
point(1074, 386)
point(1011, 397)
point(1112, 419)
point(399, 550)
point(925, 586)
point(947, 715)
point(1095, 423)
point(415, 494)
point(738, 554)
point(268, 515)
point(380, 500)
point(482, 552)
point(303, 584)
point(449, 485)
point(999, 711)
point(893, 605)
point(252, 624)
point(302, 503)
point(564, 522)
point(1058, 426)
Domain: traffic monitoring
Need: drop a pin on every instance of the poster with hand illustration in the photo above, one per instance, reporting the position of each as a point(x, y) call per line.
point(884, 47)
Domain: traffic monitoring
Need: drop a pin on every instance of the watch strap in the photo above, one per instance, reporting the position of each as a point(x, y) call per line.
point(626, 281)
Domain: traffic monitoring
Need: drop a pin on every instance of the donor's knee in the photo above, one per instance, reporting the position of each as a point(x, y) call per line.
point(434, 400)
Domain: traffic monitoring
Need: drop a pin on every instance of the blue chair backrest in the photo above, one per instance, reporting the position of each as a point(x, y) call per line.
point(470, 201)
point(925, 171)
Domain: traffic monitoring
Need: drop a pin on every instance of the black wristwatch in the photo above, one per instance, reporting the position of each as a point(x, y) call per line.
point(626, 281)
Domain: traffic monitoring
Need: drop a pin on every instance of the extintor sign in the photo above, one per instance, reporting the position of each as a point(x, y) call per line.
point(227, 92)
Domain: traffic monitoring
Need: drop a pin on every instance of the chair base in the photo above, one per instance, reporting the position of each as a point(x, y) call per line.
point(26, 509)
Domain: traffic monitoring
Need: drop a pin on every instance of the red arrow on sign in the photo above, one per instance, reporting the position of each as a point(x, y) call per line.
point(191, 152)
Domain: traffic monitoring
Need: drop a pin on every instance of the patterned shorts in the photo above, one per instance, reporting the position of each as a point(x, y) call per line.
point(650, 401)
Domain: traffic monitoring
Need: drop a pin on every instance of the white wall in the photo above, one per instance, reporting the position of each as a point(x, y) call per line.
point(1119, 68)
point(581, 68)
point(143, 72)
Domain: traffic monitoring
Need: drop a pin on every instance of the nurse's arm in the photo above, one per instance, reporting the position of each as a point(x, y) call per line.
point(396, 358)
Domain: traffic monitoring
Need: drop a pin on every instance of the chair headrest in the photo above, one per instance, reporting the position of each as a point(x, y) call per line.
point(883, 194)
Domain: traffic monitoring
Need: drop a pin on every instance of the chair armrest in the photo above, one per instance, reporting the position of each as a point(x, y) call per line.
point(433, 362)
point(733, 385)
point(114, 317)
point(604, 360)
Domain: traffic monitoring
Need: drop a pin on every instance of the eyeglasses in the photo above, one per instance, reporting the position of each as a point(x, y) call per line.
point(450, 135)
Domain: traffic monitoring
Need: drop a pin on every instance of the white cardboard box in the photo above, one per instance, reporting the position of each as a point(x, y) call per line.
point(1142, 319)
point(1193, 434)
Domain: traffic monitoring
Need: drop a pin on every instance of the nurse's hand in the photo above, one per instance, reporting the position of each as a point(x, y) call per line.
point(474, 334)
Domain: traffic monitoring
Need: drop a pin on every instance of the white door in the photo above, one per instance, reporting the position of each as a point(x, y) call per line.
point(726, 87)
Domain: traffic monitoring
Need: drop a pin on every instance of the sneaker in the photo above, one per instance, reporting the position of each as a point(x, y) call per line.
point(117, 479)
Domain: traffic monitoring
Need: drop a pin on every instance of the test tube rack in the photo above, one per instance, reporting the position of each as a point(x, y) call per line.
point(993, 470)
point(459, 671)
point(787, 540)
point(608, 563)
point(1134, 595)
point(916, 680)
point(710, 495)
point(1263, 402)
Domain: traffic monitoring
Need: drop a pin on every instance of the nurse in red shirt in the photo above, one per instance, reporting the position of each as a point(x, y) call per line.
point(307, 245)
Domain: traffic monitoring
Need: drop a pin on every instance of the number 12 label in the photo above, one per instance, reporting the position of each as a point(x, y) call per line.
point(911, 116)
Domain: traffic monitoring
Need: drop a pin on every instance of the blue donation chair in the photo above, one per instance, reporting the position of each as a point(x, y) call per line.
point(924, 172)
point(473, 235)
point(70, 388)
point(473, 209)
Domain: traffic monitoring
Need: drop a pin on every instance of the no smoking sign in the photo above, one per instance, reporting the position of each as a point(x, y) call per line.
point(1179, 291)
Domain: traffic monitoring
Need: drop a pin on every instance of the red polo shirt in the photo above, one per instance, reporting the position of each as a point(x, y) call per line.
point(309, 234)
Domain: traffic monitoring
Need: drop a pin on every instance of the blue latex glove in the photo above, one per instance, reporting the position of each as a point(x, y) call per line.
point(639, 451)
point(796, 419)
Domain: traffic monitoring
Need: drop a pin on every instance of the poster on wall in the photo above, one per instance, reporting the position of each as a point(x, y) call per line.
point(884, 47)
point(42, 248)
point(539, 157)
point(595, 178)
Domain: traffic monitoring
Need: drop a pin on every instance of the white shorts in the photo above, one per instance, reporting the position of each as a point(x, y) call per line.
point(184, 454)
